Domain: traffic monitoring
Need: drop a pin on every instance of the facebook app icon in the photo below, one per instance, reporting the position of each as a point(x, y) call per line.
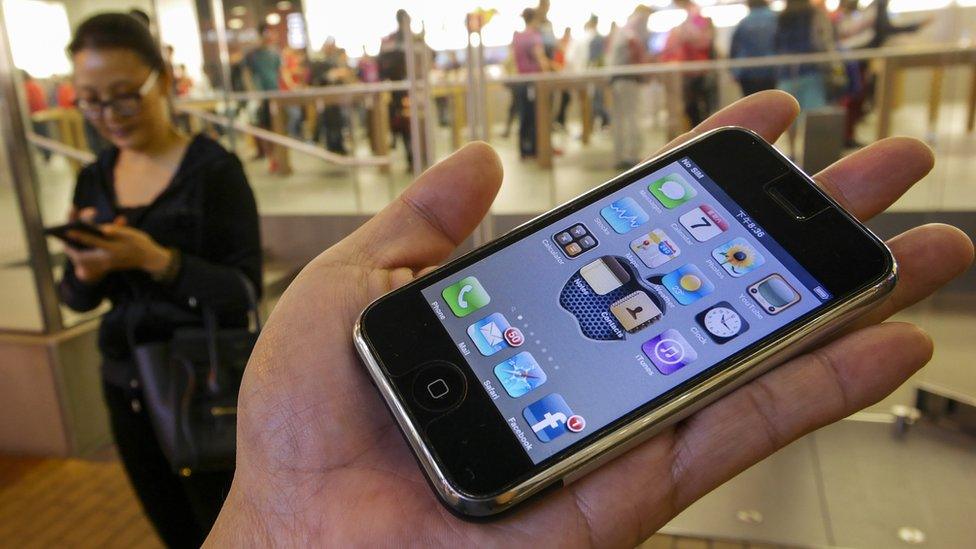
point(547, 417)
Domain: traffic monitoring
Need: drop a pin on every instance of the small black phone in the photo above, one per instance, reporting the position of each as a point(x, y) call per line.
point(535, 358)
point(61, 233)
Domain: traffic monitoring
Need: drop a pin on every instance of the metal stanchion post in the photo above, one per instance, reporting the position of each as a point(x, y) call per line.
point(21, 170)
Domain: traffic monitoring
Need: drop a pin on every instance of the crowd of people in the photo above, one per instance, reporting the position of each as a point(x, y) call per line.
point(802, 27)
point(270, 64)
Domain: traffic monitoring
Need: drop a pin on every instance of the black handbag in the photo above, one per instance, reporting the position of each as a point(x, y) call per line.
point(190, 385)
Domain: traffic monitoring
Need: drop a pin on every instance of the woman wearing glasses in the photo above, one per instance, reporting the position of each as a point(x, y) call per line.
point(179, 227)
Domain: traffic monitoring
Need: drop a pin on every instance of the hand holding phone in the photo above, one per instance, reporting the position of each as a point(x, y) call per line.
point(61, 232)
point(314, 432)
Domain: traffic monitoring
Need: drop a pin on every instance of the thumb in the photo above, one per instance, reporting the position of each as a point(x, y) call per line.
point(433, 215)
point(86, 214)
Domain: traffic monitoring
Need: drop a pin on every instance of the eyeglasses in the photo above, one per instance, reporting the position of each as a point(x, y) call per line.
point(123, 106)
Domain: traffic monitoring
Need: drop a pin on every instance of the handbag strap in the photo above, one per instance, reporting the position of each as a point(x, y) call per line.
point(212, 328)
point(253, 315)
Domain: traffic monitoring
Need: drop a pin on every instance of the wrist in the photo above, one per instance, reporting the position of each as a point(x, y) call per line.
point(157, 260)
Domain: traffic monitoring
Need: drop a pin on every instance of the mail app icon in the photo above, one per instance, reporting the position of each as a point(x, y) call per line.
point(488, 334)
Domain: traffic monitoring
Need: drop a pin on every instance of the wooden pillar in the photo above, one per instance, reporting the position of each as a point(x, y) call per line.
point(543, 124)
point(885, 97)
point(971, 118)
point(279, 153)
point(586, 111)
point(935, 95)
point(379, 126)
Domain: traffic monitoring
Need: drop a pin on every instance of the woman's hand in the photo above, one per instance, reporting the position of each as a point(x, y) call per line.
point(121, 248)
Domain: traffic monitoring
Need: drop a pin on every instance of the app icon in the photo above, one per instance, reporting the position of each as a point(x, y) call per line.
point(605, 275)
point(738, 257)
point(704, 223)
point(624, 215)
point(489, 334)
point(547, 417)
point(774, 294)
point(669, 351)
point(520, 374)
point(575, 240)
point(465, 297)
point(722, 322)
point(636, 311)
point(655, 248)
point(687, 284)
point(672, 190)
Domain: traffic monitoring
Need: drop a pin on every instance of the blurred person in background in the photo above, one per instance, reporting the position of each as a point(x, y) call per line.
point(36, 102)
point(331, 70)
point(803, 28)
point(293, 76)
point(753, 37)
point(263, 65)
point(367, 69)
point(549, 41)
point(530, 58)
point(597, 59)
point(180, 228)
point(64, 93)
point(855, 30)
point(559, 64)
point(628, 46)
point(858, 28)
point(393, 66)
point(884, 29)
point(509, 66)
point(692, 40)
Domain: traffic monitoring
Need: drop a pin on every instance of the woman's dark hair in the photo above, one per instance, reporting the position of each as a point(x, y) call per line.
point(528, 15)
point(118, 31)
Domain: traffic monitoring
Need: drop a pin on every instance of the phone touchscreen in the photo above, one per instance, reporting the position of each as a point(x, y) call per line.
point(577, 324)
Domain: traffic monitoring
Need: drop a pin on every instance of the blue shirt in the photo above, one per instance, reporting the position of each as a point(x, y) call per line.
point(754, 38)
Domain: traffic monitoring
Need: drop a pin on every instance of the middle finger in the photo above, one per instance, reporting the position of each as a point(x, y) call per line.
point(868, 181)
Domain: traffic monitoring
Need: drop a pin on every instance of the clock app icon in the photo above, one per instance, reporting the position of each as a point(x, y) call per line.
point(722, 322)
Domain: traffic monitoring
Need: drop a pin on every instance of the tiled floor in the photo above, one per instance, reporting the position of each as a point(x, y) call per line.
point(48, 503)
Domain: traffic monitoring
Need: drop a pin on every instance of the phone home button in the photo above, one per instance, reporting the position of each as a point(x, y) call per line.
point(439, 386)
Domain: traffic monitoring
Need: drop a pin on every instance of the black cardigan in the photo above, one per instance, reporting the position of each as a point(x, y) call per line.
point(208, 213)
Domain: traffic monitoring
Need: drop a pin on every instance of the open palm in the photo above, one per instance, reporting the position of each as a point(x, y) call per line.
point(321, 462)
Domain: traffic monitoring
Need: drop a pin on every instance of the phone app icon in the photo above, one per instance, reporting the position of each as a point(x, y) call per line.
point(704, 223)
point(636, 311)
point(575, 240)
point(774, 294)
point(520, 374)
point(604, 275)
point(493, 333)
point(687, 284)
point(465, 296)
point(722, 322)
point(550, 418)
point(655, 248)
point(738, 257)
point(669, 351)
point(672, 190)
point(624, 215)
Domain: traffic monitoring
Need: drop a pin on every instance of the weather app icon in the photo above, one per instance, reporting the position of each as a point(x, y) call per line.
point(624, 215)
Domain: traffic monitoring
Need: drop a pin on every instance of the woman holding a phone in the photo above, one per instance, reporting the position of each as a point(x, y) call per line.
point(179, 227)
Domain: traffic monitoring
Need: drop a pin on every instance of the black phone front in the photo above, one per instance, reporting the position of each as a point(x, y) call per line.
point(542, 342)
point(61, 233)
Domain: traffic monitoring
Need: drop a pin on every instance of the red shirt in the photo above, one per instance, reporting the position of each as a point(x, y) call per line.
point(36, 100)
point(66, 95)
